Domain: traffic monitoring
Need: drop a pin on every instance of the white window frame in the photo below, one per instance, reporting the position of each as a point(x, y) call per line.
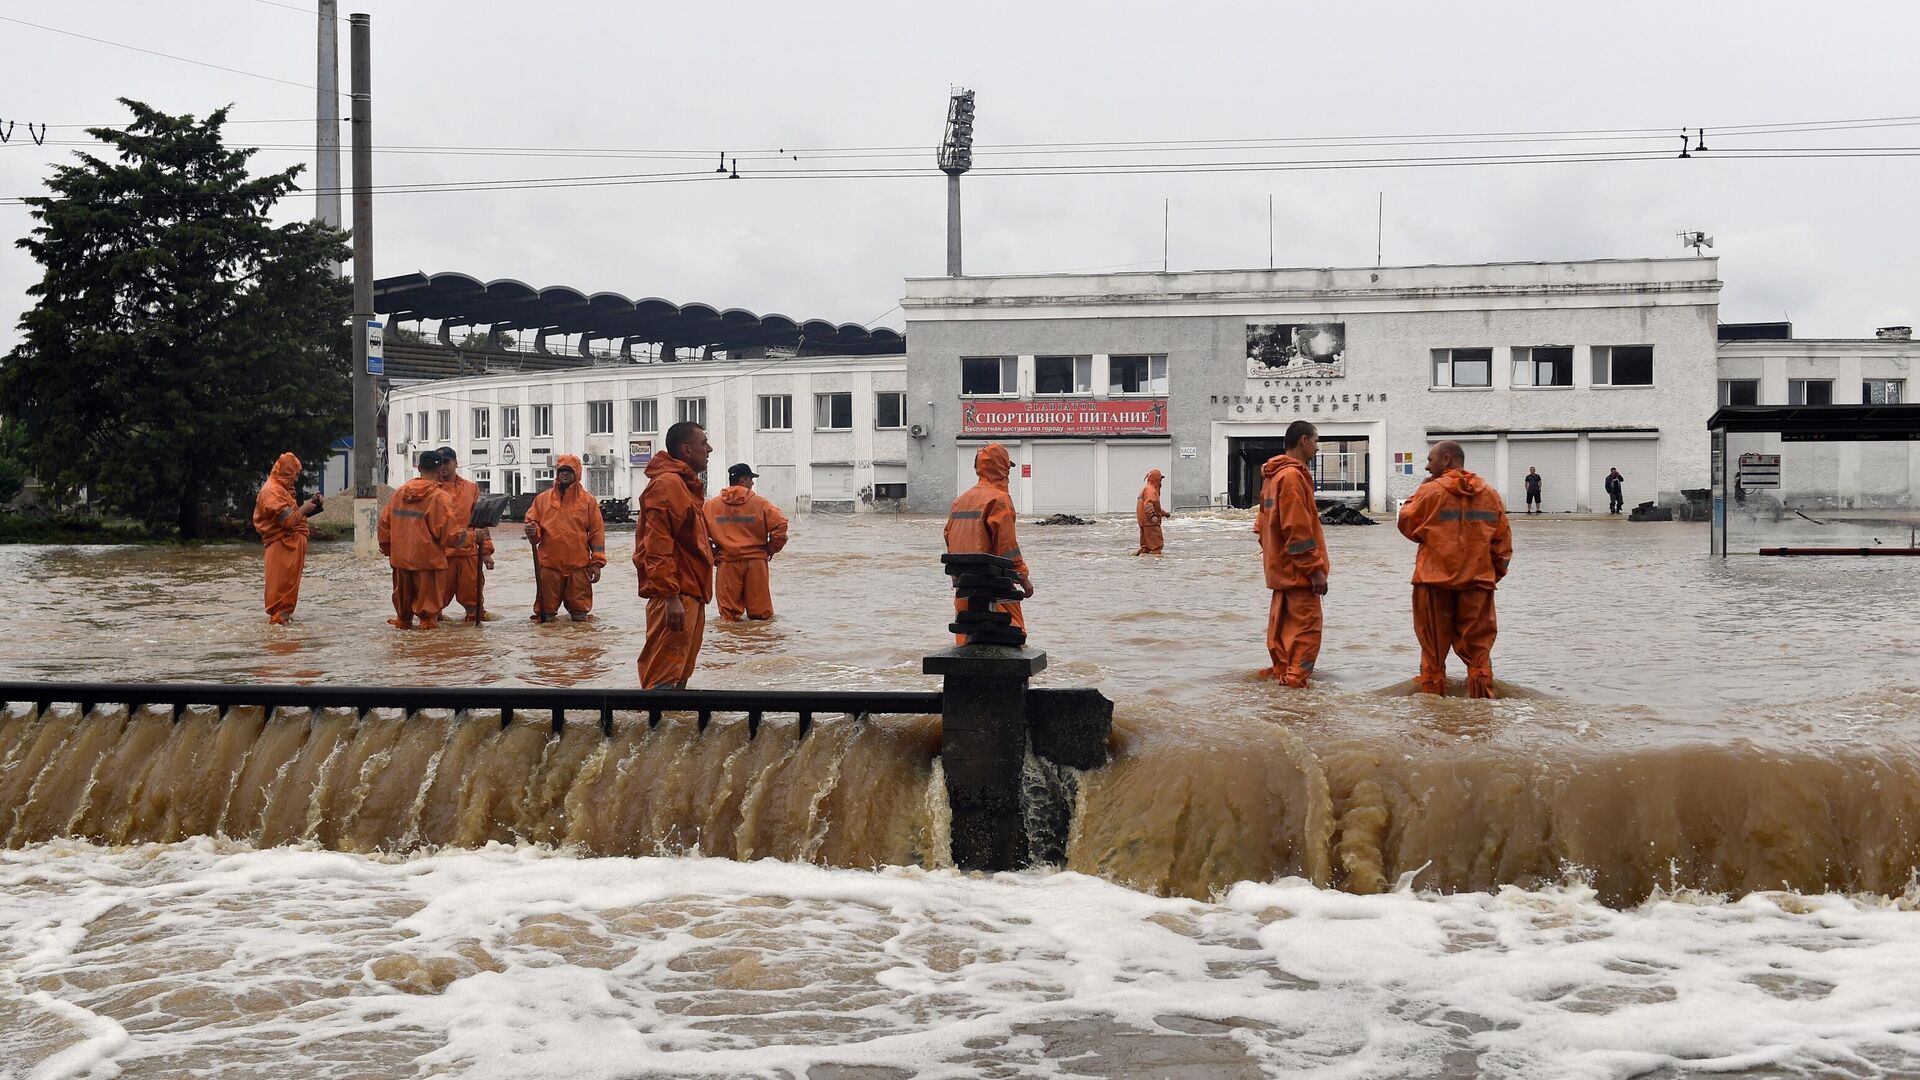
point(1727, 384)
point(1892, 391)
point(1797, 391)
point(509, 421)
point(1525, 373)
point(516, 482)
point(697, 414)
point(600, 417)
point(1156, 381)
point(426, 425)
point(898, 395)
point(443, 423)
point(409, 439)
point(1444, 362)
point(1603, 368)
point(599, 481)
point(1080, 379)
point(482, 423)
point(482, 479)
point(775, 412)
point(824, 401)
point(542, 479)
point(543, 421)
point(1009, 376)
point(644, 414)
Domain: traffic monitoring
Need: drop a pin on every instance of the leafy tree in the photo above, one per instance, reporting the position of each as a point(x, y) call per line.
point(13, 465)
point(180, 340)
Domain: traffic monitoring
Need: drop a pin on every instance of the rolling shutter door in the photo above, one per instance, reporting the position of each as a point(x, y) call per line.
point(1479, 457)
point(1063, 478)
point(1555, 459)
point(1127, 465)
point(832, 483)
point(1639, 463)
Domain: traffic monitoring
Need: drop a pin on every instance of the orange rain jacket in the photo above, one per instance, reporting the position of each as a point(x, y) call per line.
point(417, 528)
point(462, 493)
point(981, 520)
point(570, 531)
point(1460, 523)
point(671, 548)
point(276, 512)
point(1147, 509)
point(744, 525)
point(1292, 546)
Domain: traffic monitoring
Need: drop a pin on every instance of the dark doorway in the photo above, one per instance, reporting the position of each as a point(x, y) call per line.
point(1244, 458)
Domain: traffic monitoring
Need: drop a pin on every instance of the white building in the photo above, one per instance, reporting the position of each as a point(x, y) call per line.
point(824, 433)
point(1090, 380)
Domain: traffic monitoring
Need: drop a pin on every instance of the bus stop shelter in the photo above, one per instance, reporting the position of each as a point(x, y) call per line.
point(1816, 480)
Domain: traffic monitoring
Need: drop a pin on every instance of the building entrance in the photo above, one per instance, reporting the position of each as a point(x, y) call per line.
point(1244, 458)
point(1339, 469)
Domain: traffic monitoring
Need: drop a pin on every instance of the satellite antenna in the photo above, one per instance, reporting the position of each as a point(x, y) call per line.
point(1696, 241)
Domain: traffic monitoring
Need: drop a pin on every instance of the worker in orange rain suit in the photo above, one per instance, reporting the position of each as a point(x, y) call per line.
point(569, 540)
point(416, 529)
point(747, 532)
point(464, 579)
point(674, 555)
point(1148, 512)
point(1465, 546)
point(281, 520)
point(1294, 553)
point(981, 522)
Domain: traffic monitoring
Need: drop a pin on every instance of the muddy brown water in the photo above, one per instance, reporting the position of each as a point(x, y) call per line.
point(1673, 720)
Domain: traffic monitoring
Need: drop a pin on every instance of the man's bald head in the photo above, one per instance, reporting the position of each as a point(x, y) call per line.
point(1444, 456)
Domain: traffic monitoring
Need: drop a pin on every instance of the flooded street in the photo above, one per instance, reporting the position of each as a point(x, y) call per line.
point(1701, 799)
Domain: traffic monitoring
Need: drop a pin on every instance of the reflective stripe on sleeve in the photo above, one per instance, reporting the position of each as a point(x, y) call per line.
point(1266, 504)
point(1301, 547)
point(1010, 553)
point(596, 547)
point(288, 510)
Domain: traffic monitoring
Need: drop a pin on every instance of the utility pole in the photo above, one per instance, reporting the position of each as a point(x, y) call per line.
point(326, 135)
point(366, 504)
point(956, 157)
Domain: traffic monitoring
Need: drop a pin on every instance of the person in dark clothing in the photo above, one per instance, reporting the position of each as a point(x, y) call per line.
point(1533, 490)
point(1615, 500)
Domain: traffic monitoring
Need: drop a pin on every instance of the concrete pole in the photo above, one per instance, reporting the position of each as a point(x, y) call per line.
point(366, 505)
point(953, 224)
point(326, 138)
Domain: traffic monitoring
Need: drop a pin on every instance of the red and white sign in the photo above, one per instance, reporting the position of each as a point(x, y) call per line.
point(1074, 416)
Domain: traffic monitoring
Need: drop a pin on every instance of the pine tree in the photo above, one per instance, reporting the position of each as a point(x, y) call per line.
point(180, 340)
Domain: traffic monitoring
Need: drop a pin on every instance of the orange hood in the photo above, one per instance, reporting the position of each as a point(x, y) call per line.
point(1280, 461)
point(569, 461)
point(286, 469)
point(418, 489)
point(1460, 482)
point(1153, 477)
point(736, 495)
point(993, 465)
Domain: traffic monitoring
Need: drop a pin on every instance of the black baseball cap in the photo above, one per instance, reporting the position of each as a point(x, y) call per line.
point(741, 470)
point(446, 453)
point(431, 459)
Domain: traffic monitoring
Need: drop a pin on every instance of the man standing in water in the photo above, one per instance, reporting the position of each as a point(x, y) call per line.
point(1148, 513)
point(465, 578)
point(281, 520)
point(1294, 553)
point(1465, 546)
point(674, 554)
point(416, 529)
point(570, 545)
point(981, 523)
point(747, 531)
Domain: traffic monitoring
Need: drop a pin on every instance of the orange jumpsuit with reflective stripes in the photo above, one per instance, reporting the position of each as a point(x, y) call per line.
point(747, 531)
point(674, 555)
point(1292, 551)
point(283, 528)
point(571, 537)
point(465, 577)
point(982, 522)
point(1148, 513)
point(1466, 544)
point(416, 528)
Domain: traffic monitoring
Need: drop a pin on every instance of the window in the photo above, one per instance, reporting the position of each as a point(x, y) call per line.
point(600, 481)
point(516, 481)
point(1462, 367)
point(776, 412)
point(483, 480)
point(1623, 365)
point(1739, 391)
point(482, 423)
point(599, 417)
point(1543, 365)
point(1882, 391)
point(691, 410)
point(510, 422)
point(1136, 374)
point(425, 430)
point(1809, 391)
point(409, 427)
point(832, 412)
point(890, 491)
point(443, 424)
point(646, 414)
point(889, 410)
point(542, 479)
point(1063, 375)
point(989, 375)
point(543, 421)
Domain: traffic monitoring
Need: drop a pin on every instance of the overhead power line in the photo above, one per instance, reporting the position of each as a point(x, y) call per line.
point(155, 52)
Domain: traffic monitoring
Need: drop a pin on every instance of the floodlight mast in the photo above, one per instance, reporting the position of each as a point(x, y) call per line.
point(956, 157)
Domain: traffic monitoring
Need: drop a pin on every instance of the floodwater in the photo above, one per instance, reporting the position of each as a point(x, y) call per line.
point(1685, 841)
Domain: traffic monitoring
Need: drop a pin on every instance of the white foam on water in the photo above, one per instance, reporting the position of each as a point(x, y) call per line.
point(213, 959)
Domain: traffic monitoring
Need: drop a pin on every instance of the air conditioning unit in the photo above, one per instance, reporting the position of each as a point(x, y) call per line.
point(918, 431)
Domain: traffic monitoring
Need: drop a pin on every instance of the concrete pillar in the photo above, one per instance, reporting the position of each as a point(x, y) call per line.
point(983, 750)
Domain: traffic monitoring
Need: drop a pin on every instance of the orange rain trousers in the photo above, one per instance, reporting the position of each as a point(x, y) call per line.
point(285, 561)
point(1460, 619)
point(1293, 634)
point(1152, 540)
point(743, 588)
point(462, 581)
point(667, 660)
point(416, 595)
point(554, 589)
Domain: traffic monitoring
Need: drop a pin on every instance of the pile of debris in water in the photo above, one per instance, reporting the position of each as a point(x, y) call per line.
point(1339, 513)
point(1064, 519)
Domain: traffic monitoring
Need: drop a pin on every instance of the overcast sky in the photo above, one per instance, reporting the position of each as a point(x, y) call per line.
point(1827, 242)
